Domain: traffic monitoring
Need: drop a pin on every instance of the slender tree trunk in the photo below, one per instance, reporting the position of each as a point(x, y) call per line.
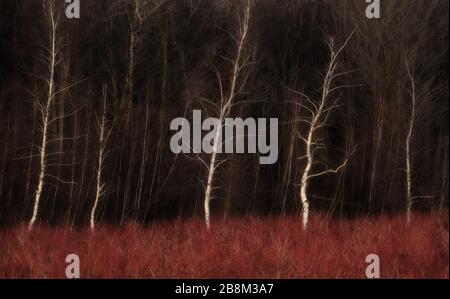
point(3, 169)
point(42, 171)
point(80, 197)
point(143, 166)
point(99, 188)
point(30, 161)
point(379, 136)
point(61, 113)
point(72, 176)
point(444, 184)
point(287, 173)
point(409, 198)
point(212, 166)
point(305, 180)
point(46, 114)
point(319, 116)
point(225, 105)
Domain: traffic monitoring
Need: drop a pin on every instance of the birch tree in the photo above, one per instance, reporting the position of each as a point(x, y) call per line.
point(319, 112)
point(420, 60)
point(226, 101)
point(417, 98)
point(53, 58)
point(103, 138)
point(412, 116)
point(53, 50)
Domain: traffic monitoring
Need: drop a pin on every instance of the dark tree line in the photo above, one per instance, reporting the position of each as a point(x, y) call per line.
point(128, 67)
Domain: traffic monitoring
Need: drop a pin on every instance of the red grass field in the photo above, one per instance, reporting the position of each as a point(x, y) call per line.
point(237, 248)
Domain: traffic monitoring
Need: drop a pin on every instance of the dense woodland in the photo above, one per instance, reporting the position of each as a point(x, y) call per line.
point(104, 88)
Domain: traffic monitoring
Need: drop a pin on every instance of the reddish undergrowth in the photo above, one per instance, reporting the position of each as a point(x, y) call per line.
point(274, 247)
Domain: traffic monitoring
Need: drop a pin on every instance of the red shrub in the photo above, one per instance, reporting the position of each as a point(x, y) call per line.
point(275, 247)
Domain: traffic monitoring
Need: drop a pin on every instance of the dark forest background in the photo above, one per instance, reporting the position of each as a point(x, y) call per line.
point(176, 46)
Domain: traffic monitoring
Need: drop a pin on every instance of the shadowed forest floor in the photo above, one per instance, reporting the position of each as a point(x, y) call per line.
point(250, 247)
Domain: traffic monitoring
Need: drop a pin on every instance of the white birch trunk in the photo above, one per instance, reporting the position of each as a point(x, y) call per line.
point(319, 116)
point(100, 163)
point(45, 117)
point(211, 171)
point(225, 107)
point(409, 198)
